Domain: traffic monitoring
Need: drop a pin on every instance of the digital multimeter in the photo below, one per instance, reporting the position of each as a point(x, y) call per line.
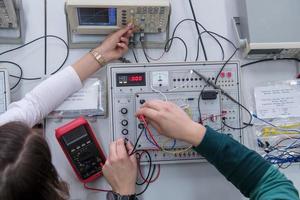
point(80, 145)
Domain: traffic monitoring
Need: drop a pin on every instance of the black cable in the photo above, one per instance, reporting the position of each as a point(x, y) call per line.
point(167, 48)
point(224, 38)
point(245, 124)
point(223, 92)
point(152, 174)
point(267, 60)
point(21, 72)
point(24, 45)
point(45, 39)
point(148, 183)
point(211, 33)
point(183, 42)
point(149, 170)
point(198, 31)
point(224, 65)
point(134, 55)
point(137, 141)
point(67, 55)
point(199, 99)
point(144, 51)
point(169, 42)
point(39, 38)
point(218, 42)
point(20, 68)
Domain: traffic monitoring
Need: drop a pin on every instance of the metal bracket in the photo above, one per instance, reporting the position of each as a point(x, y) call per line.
point(236, 24)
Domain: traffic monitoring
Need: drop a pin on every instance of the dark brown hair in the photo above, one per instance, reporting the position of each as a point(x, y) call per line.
point(26, 170)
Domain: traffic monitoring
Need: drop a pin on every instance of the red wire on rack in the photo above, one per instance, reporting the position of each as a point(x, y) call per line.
point(142, 119)
point(94, 189)
point(213, 117)
point(153, 180)
point(141, 173)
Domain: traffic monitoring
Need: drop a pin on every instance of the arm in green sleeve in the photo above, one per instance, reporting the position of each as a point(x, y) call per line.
point(244, 168)
point(274, 185)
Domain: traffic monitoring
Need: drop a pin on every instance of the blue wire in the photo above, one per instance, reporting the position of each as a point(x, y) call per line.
point(149, 138)
point(173, 146)
point(255, 116)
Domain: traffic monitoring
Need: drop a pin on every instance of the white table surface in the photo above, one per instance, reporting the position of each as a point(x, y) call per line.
point(184, 181)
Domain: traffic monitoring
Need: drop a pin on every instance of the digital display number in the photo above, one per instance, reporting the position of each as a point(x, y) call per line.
point(75, 135)
point(131, 79)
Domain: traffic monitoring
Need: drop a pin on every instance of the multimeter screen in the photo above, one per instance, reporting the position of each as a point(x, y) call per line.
point(83, 151)
point(97, 16)
point(75, 135)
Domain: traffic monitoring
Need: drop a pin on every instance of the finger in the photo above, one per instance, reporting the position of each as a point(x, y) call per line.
point(155, 104)
point(122, 31)
point(125, 40)
point(150, 114)
point(121, 149)
point(156, 126)
point(130, 147)
point(122, 45)
point(113, 150)
point(128, 34)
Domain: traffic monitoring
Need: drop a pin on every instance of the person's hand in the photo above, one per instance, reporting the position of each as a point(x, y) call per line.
point(171, 121)
point(116, 44)
point(120, 169)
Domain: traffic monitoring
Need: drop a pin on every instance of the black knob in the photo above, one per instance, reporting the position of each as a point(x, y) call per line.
point(142, 101)
point(124, 122)
point(125, 132)
point(141, 126)
point(124, 111)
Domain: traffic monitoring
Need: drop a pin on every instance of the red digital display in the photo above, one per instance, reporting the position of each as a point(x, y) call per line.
point(131, 79)
point(135, 78)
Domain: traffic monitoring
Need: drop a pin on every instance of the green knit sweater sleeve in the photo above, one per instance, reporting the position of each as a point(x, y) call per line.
point(243, 167)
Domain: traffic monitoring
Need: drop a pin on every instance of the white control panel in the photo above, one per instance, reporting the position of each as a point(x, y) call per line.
point(131, 85)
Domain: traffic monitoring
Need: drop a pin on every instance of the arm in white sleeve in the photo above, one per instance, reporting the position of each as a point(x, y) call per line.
point(43, 99)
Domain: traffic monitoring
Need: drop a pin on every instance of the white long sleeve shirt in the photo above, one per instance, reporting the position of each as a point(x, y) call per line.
point(43, 99)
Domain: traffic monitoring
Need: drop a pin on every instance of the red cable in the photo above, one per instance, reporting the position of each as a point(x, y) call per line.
point(94, 189)
point(212, 116)
point(141, 174)
point(142, 118)
point(153, 180)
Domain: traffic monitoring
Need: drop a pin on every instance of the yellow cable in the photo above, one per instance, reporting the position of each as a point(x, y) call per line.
point(296, 125)
point(174, 151)
point(269, 133)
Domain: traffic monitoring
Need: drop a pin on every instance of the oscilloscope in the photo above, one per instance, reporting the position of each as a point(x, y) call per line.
point(103, 17)
point(106, 16)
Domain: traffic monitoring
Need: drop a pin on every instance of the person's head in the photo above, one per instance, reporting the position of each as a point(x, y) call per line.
point(26, 170)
